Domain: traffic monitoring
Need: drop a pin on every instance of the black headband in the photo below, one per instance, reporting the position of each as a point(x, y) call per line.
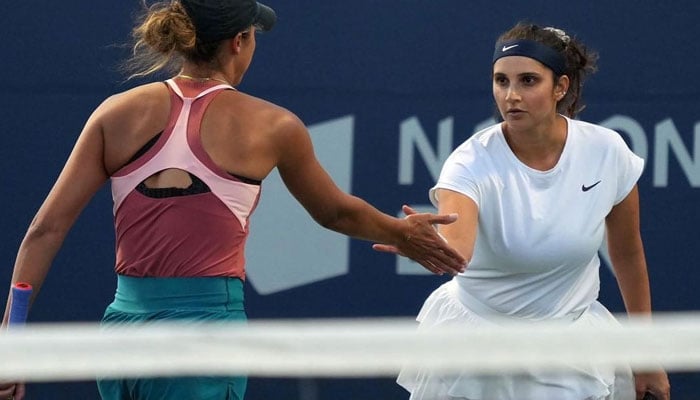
point(531, 49)
point(216, 20)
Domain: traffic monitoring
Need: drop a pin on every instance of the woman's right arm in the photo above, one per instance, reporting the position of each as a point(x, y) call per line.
point(82, 175)
point(413, 236)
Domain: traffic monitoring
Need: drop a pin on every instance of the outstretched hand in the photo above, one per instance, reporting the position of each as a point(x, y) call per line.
point(424, 245)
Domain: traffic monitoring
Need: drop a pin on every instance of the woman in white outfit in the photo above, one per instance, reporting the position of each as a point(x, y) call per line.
point(536, 194)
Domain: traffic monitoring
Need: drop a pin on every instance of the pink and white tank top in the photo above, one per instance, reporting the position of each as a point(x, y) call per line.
point(196, 232)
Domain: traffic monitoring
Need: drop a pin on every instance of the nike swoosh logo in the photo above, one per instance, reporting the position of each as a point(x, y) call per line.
point(506, 48)
point(587, 188)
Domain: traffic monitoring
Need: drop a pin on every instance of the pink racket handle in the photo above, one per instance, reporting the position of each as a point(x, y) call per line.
point(20, 303)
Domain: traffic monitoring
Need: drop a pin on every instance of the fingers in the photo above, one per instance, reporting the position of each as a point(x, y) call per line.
point(430, 267)
point(20, 391)
point(445, 264)
point(15, 391)
point(427, 247)
point(652, 386)
point(447, 256)
point(650, 396)
point(434, 265)
point(656, 394)
point(437, 259)
point(408, 210)
point(386, 248)
point(443, 219)
point(7, 391)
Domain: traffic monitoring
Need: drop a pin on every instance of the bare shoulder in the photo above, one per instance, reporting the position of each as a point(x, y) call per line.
point(263, 108)
point(269, 117)
point(146, 106)
point(140, 98)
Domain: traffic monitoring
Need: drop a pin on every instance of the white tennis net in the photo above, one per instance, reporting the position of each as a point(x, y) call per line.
point(338, 348)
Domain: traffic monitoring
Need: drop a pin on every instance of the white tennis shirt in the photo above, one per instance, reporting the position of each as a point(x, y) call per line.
point(535, 254)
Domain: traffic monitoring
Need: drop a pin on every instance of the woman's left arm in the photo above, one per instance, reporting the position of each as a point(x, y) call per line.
point(627, 254)
point(629, 263)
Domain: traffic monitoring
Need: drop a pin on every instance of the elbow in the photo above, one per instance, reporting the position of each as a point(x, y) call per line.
point(329, 221)
point(332, 218)
point(42, 229)
point(341, 215)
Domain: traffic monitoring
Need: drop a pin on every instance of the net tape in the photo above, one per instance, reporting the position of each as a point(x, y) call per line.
point(338, 348)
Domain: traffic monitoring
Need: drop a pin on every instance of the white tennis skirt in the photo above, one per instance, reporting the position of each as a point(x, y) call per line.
point(444, 307)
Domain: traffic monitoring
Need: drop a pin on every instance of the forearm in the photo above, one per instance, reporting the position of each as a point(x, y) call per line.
point(633, 280)
point(357, 218)
point(627, 254)
point(34, 259)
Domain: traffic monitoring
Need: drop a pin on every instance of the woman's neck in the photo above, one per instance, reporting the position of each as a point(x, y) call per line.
point(203, 75)
point(541, 147)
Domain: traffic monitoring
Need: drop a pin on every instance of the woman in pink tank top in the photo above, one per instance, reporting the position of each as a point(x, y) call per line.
point(159, 147)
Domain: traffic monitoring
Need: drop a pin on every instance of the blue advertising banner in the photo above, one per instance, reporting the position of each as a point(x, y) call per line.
point(387, 90)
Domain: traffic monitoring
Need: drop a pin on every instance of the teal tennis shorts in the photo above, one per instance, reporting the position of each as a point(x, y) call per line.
point(150, 300)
